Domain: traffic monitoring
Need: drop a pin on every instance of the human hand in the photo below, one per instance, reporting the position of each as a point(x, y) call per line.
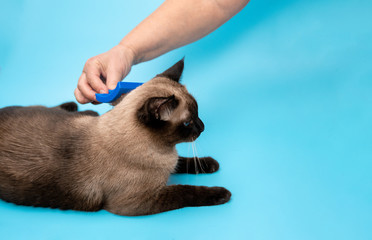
point(111, 66)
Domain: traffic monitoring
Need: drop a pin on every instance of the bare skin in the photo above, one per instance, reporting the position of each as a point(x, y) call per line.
point(174, 24)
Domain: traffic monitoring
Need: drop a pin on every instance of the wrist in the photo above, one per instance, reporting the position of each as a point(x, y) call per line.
point(131, 52)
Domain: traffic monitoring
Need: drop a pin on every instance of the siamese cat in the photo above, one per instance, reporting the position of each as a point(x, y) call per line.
point(120, 161)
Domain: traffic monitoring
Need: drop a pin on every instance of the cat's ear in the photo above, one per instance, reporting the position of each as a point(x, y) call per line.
point(175, 72)
point(157, 109)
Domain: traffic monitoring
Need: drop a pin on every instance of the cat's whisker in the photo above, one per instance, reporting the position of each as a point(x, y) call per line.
point(194, 157)
point(197, 156)
point(203, 161)
point(187, 162)
point(197, 160)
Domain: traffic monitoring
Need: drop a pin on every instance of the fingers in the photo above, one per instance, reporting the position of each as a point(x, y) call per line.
point(112, 65)
point(79, 97)
point(90, 82)
point(93, 79)
point(85, 92)
point(113, 77)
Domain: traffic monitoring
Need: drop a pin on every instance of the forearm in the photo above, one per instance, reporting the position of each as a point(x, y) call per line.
point(176, 23)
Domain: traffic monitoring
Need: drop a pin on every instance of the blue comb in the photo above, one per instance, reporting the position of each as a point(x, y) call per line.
point(121, 88)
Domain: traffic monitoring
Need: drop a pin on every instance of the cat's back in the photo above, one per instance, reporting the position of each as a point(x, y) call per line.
point(34, 133)
point(28, 135)
point(35, 143)
point(29, 128)
point(21, 117)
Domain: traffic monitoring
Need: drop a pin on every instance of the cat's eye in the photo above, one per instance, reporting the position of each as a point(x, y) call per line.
point(187, 123)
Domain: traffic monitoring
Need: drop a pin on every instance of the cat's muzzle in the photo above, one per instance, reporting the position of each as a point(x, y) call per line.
point(198, 128)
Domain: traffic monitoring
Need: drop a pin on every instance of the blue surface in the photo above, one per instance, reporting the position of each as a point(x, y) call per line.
point(285, 92)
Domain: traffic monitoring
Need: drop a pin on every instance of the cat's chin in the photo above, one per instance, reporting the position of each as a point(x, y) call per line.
point(193, 138)
point(188, 140)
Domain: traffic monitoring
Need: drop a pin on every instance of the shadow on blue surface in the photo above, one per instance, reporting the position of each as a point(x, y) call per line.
point(284, 90)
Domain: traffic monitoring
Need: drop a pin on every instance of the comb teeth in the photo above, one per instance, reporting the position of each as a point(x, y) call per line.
point(121, 88)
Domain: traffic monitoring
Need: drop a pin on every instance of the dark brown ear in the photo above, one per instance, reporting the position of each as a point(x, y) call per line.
point(157, 109)
point(175, 72)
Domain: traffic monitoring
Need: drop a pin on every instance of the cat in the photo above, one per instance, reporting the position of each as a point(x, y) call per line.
point(120, 161)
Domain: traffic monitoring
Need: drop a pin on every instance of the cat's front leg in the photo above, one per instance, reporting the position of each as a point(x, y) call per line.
point(179, 196)
point(196, 165)
point(175, 197)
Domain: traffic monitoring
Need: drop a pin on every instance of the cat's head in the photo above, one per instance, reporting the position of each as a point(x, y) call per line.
point(167, 109)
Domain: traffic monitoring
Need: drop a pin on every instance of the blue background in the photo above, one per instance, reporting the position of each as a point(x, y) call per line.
point(285, 92)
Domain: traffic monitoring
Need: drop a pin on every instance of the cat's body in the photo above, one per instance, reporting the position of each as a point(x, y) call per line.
point(120, 161)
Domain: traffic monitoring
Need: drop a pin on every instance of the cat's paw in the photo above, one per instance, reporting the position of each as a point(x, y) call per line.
point(197, 165)
point(69, 106)
point(218, 195)
point(208, 165)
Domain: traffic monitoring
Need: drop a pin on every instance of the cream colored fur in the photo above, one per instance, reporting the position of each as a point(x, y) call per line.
point(126, 160)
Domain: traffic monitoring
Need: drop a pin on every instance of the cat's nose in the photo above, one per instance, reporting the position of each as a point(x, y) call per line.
point(199, 124)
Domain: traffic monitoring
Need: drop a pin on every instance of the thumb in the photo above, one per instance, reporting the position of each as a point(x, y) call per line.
point(113, 77)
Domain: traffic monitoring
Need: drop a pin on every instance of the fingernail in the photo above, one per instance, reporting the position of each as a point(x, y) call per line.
point(102, 91)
